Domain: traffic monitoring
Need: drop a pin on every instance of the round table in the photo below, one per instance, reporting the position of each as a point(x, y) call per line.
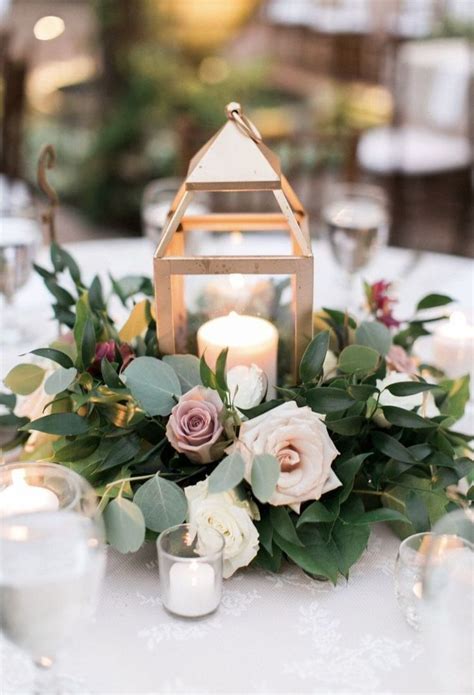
point(283, 633)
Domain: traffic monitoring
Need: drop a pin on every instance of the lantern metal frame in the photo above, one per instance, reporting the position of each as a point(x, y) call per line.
point(235, 159)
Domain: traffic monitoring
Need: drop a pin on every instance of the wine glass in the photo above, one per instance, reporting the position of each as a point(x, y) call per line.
point(53, 561)
point(20, 238)
point(447, 614)
point(409, 568)
point(157, 198)
point(357, 225)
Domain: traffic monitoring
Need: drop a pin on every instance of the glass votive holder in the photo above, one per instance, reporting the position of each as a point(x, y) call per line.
point(409, 571)
point(44, 487)
point(190, 564)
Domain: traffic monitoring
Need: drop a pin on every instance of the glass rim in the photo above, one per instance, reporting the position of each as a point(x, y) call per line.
point(215, 554)
point(53, 467)
point(12, 526)
point(404, 544)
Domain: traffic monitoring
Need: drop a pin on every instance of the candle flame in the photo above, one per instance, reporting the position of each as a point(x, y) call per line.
point(18, 476)
point(237, 281)
point(457, 319)
point(236, 238)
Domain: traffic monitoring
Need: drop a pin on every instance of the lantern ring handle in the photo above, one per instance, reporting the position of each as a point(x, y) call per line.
point(234, 113)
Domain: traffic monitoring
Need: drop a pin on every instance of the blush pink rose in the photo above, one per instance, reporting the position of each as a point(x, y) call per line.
point(298, 438)
point(399, 360)
point(194, 426)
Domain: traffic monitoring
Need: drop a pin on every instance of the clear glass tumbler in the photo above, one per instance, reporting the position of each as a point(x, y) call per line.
point(190, 565)
point(409, 569)
point(37, 487)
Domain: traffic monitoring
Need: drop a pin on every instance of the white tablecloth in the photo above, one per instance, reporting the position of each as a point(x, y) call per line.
point(273, 633)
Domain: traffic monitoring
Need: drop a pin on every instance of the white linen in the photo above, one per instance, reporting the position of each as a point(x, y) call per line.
point(273, 633)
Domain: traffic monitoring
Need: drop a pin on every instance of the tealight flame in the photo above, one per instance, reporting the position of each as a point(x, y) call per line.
point(18, 476)
point(236, 238)
point(237, 281)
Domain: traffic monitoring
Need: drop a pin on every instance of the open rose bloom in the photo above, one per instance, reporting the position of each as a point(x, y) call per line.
point(298, 438)
point(195, 425)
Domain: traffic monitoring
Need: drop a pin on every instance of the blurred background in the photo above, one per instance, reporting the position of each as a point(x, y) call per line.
point(362, 91)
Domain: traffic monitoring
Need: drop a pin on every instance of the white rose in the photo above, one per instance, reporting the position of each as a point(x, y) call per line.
point(33, 406)
point(247, 385)
point(298, 438)
point(387, 398)
point(329, 365)
point(229, 515)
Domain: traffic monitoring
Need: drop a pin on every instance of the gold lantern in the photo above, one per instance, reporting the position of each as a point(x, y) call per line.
point(235, 159)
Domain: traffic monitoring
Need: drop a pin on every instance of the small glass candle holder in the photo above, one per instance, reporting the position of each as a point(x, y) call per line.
point(190, 564)
point(44, 487)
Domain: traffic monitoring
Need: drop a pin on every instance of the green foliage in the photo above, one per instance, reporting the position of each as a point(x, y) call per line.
point(228, 474)
point(154, 385)
point(24, 379)
point(108, 419)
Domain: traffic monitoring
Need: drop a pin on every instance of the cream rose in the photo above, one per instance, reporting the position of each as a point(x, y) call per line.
point(387, 398)
point(229, 515)
point(301, 443)
point(247, 385)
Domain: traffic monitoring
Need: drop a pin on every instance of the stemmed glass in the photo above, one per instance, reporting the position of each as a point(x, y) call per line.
point(20, 238)
point(357, 225)
point(52, 564)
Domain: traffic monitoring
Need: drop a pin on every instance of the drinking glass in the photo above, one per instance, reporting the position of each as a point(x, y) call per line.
point(157, 198)
point(447, 615)
point(357, 225)
point(190, 565)
point(20, 238)
point(409, 568)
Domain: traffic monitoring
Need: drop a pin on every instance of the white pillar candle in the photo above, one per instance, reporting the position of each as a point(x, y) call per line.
point(250, 339)
point(22, 498)
point(453, 346)
point(192, 590)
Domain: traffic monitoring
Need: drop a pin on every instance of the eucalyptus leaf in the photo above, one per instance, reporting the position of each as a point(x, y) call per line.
point(124, 524)
point(228, 474)
point(24, 378)
point(162, 502)
point(59, 380)
point(358, 359)
point(313, 358)
point(153, 384)
point(374, 335)
point(187, 370)
point(264, 476)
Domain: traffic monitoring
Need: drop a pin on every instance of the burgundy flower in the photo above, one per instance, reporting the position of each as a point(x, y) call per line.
point(380, 303)
point(127, 355)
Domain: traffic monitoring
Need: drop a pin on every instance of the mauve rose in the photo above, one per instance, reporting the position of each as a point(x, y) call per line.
point(195, 426)
point(399, 360)
point(104, 349)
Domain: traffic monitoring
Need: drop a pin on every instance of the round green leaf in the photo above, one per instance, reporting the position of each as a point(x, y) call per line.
point(24, 378)
point(358, 358)
point(186, 368)
point(125, 525)
point(375, 335)
point(264, 476)
point(162, 502)
point(153, 384)
point(59, 380)
point(228, 473)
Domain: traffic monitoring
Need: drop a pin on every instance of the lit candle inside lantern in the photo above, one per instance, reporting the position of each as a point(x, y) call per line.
point(22, 498)
point(453, 345)
point(191, 589)
point(250, 339)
